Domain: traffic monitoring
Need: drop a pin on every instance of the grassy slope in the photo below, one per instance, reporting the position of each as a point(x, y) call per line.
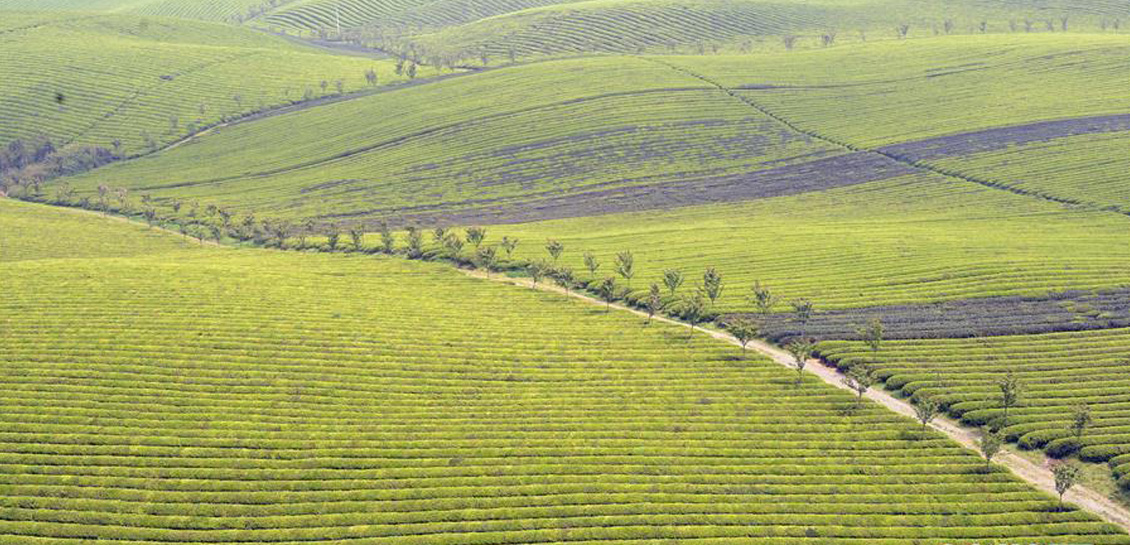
point(109, 70)
point(918, 239)
point(247, 395)
point(457, 142)
point(504, 134)
point(34, 232)
point(661, 25)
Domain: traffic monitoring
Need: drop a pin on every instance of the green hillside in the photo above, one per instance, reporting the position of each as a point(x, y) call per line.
point(215, 395)
point(144, 82)
point(464, 149)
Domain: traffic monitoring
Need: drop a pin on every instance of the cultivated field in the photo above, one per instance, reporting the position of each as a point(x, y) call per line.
point(212, 395)
point(132, 84)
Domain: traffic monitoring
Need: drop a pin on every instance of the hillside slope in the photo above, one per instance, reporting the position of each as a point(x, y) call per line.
point(218, 395)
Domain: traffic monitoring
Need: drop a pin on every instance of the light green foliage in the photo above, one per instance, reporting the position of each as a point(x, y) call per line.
point(340, 398)
point(467, 142)
point(121, 77)
point(931, 87)
point(915, 239)
point(30, 232)
point(1058, 372)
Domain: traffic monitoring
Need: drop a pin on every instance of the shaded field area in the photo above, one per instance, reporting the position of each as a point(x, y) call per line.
point(1004, 137)
point(1058, 372)
point(220, 395)
point(1062, 311)
point(802, 177)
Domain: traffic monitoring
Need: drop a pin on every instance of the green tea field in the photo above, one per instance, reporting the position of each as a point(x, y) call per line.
point(575, 272)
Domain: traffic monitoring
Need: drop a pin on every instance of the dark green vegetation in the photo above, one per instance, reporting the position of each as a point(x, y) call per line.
point(216, 395)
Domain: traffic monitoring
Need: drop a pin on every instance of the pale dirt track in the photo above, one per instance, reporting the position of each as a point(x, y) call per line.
point(1040, 477)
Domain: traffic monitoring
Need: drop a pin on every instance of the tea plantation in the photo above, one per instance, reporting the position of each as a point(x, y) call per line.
point(215, 395)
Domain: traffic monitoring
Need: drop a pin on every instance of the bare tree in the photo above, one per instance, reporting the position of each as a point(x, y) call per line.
point(626, 266)
point(926, 409)
point(761, 298)
point(536, 270)
point(1080, 419)
point(1010, 388)
point(476, 236)
point(673, 280)
point(859, 378)
point(509, 245)
point(654, 301)
point(872, 334)
point(1066, 475)
point(744, 329)
point(607, 291)
point(453, 244)
point(415, 243)
point(802, 309)
point(564, 278)
point(388, 239)
point(591, 264)
point(947, 26)
point(694, 310)
point(438, 235)
point(828, 38)
point(357, 235)
point(371, 77)
point(333, 238)
point(989, 443)
point(712, 284)
point(903, 29)
point(487, 258)
point(801, 350)
point(555, 249)
point(790, 41)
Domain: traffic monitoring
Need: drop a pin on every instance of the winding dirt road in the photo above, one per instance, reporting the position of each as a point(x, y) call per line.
point(1039, 476)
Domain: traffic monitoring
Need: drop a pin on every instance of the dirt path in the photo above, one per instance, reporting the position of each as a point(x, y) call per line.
point(1039, 476)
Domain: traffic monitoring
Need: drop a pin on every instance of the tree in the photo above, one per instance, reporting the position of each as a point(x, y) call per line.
point(903, 29)
point(802, 308)
point(761, 298)
point(555, 249)
point(790, 41)
point(672, 279)
point(415, 243)
point(371, 77)
point(743, 329)
point(872, 333)
point(537, 270)
point(1010, 388)
point(801, 350)
point(564, 277)
point(454, 245)
point(1080, 419)
point(509, 245)
point(388, 239)
point(712, 284)
point(306, 230)
point(487, 258)
point(356, 234)
point(607, 291)
point(438, 235)
point(859, 378)
point(654, 301)
point(694, 310)
point(989, 444)
point(625, 266)
point(591, 264)
point(1066, 475)
point(476, 235)
point(280, 230)
point(333, 238)
point(926, 409)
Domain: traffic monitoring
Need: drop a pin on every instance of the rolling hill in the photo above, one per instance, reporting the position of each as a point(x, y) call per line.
point(225, 395)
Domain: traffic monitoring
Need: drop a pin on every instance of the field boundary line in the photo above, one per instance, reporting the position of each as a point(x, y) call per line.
point(916, 164)
point(1039, 476)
